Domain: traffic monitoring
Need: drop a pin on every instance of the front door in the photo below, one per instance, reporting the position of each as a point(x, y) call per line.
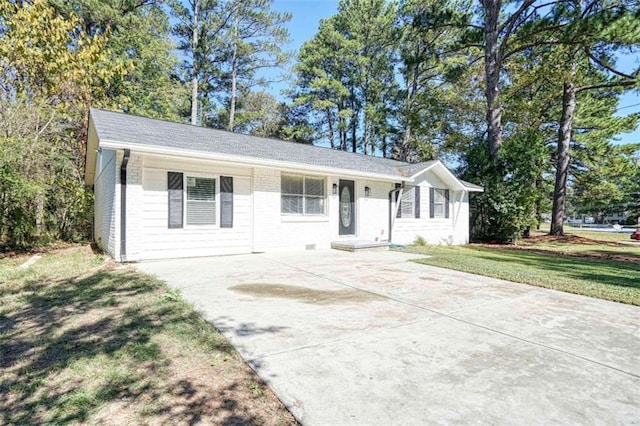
point(347, 208)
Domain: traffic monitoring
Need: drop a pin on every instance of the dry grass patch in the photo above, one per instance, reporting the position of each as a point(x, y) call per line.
point(86, 341)
point(592, 245)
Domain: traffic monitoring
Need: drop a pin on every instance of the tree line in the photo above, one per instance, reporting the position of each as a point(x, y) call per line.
point(521, 96)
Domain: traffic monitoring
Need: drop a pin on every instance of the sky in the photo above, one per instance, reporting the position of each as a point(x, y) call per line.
point(308, 13)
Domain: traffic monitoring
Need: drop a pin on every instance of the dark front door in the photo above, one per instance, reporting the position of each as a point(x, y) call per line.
point(347, 215)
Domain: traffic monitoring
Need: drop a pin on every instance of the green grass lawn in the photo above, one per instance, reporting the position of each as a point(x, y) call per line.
point(83, 340)
point(608, 279)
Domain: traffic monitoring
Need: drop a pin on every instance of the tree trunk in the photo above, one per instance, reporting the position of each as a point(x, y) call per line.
point(411, 93)
point(492, 65)
point(384, 147)
point(331, 134)
point(39, 214)
point(563, 157)
point(194, 75)
point(354, 129)
point(234, 76)
point(365, 139)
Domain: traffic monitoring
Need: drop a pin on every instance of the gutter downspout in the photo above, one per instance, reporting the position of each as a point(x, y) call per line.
point(123, 205)
point(393, 212)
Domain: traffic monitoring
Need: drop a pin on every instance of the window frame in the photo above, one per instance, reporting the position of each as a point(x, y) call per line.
point(408, 192)
point(216, 194)
point(443, 194)
point(304, 195)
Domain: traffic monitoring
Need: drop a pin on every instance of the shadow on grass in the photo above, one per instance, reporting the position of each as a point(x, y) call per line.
point(79, 322)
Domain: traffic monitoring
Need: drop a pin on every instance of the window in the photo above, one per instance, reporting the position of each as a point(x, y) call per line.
point(439, 203)
point(409, 202)
point(302, 195)
point(201, 201)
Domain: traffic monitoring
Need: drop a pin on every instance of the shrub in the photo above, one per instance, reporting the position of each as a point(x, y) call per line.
point(420, 241)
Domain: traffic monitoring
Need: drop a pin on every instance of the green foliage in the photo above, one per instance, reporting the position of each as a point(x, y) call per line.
point(433, 69)
point(346, 78)
point(606, 180)
point(225, 45)
point(420, 241)
point(507, 207)
point(170, 295)
point(138, 38)
point(51, 70)
point(57, 58)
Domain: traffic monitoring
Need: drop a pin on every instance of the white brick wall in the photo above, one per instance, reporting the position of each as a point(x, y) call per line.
point(135, 207)
point(446, 231)
point(148, 234)
point(258, 222)
point(373, 211)
point(104, 201)
point(274, 231)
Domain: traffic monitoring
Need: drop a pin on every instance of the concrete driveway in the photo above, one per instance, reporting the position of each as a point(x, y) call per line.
point(373, 338)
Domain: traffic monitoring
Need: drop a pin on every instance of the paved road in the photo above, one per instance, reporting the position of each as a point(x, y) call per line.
point(364, 338)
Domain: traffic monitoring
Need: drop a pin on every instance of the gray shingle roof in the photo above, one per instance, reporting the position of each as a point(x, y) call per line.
point(471, 185)
point(126, 128)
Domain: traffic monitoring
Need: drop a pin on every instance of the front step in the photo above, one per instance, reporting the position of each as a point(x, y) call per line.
point(360, 245)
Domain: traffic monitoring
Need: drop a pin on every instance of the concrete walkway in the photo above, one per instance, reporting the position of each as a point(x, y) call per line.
point(371, 338)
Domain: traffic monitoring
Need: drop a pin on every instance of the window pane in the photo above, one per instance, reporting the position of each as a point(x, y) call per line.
point(201, 201)
point(407, 203)
point(314, 205)
point(438, 210)
point(201, 189)
point(439, 196)
point(314, 186)
point(291, 184)
point(201, 213)
point(406, 209)
point(291, 204)
point(407, 195)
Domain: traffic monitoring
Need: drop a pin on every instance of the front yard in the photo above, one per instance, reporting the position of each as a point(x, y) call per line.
point(578, 264)
point(86, 341)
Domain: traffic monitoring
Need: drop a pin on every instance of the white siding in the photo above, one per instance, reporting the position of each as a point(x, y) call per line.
point(154, 239)
point(373, 211)
point(258, 224)
point(105, 202)
point(274, 231)
point(453, 230)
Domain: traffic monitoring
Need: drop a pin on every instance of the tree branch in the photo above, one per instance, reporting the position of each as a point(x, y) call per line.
point(509, 23)
point(609, 68)
point(624, 83)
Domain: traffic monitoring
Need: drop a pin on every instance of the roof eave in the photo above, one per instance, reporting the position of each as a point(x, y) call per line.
point(474, 189)
point(249, 161)
point(459, 185)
